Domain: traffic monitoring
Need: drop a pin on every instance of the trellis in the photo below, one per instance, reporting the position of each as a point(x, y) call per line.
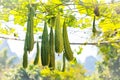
point(78, 43)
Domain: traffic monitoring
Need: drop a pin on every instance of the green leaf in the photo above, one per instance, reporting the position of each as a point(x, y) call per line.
point(80, 50)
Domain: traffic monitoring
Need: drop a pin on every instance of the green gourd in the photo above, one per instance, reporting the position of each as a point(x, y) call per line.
point(29, 33)
point(67, 49)
point(25, 55)
point(37, 55)
point(58, 35)
point(45, 54)
point(52, 51)
point(64, 64)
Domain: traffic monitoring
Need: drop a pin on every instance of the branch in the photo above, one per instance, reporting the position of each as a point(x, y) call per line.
point(95, 43)
point(44, 6)
point(18, 39)
point(79, 3)
point(80, 43)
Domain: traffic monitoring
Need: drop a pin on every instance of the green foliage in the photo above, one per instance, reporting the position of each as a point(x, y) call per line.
point(109, 68)
point(71, 20)
point(110, 71)
point(84, 22)
point(75, 71)
point(32, 73)
point(3, 57)
point(6, 30)
point(108, 52)
point(5, 60)
point(80, 50)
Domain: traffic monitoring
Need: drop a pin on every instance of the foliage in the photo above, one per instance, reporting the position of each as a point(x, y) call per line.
point(5, 60)
point(36, 73)
point(32, 73)
point(108, 52)
point(109, 68)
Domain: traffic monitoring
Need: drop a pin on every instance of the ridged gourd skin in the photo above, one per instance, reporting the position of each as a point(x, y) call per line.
point(37, 55)
point(52, 50)
point(58, 35)
point(30, 24)
point(25, 55)
point(45, 54)
point(67, 49)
